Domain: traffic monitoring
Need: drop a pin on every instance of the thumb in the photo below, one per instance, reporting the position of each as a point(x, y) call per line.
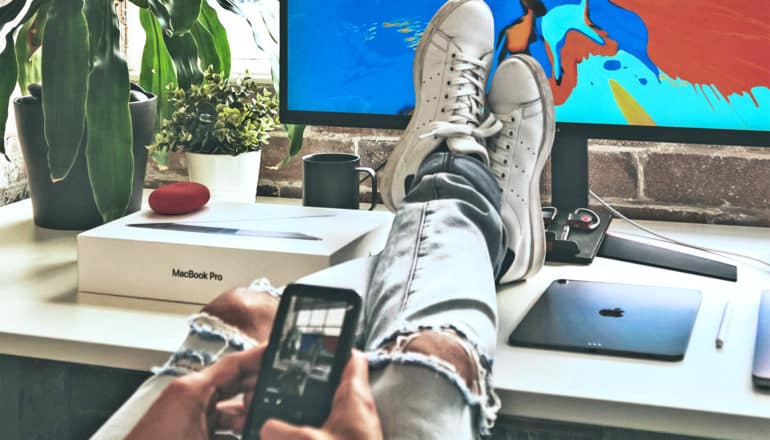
point(359, 366)
point(356, 368)
point(275, 429)
point(354, 381)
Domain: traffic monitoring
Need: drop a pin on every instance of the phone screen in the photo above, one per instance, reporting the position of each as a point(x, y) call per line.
point(309, 347)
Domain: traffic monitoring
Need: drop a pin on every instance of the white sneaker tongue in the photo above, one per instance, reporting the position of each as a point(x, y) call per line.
point(468, 145)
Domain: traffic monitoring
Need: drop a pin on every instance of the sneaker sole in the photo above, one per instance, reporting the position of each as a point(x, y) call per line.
point(537, 240)
point(388, 172)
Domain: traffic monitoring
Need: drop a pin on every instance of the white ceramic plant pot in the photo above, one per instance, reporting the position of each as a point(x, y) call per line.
point(229, 178)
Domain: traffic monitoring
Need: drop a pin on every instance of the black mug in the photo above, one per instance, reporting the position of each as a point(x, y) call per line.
point(331, 180)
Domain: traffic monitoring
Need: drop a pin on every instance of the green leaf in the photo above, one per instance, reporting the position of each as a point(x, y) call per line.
point(220, 117)
point(7, 83)
point(11, 11)
point(140, 3)
point(176, 17)
point(8, 13)
point(28, 43)
point(65, 83)
point(207, 51)
point(184, 52)
point(109, 147)
point(157, 66)
point(28, 69)
point(295, 133)
point(210, 20)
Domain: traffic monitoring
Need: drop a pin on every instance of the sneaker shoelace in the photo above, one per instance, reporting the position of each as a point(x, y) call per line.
point(501, 153)
point(466, 91)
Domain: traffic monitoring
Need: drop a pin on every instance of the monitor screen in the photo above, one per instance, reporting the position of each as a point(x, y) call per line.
point(679, 64)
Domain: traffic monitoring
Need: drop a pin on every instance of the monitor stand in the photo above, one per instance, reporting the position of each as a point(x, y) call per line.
point(569, 177)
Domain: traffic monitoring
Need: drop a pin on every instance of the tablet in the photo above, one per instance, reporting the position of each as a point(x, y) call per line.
point(608, 318)
point(761, 373)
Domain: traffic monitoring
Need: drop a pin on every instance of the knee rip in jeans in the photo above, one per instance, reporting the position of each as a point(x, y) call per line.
point(448, 352)
point(208, 340)
point(444, 347)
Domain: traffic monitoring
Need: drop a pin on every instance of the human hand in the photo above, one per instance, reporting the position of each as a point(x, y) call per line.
point(353, 415)
point(250, 310)
point(187, 408)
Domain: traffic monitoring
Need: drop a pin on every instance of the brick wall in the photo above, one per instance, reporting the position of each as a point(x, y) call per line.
point(695, 183)
point(703, 184)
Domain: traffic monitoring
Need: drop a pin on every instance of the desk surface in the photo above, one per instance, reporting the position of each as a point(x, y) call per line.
point(708, 394)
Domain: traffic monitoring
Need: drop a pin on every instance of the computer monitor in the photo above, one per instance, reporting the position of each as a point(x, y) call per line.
point(701, 64)
point(674, 71)
point(695, 71)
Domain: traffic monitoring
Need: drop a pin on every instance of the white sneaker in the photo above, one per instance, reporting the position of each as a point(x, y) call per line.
point(450, 75)
point(520, 97)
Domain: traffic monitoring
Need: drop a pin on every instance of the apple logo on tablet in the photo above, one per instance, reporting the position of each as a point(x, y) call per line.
point(617, 312)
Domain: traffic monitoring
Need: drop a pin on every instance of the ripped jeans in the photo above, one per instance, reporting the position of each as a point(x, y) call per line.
point(437, 273)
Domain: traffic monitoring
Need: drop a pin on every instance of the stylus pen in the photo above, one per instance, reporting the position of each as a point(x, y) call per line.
point(723, 324)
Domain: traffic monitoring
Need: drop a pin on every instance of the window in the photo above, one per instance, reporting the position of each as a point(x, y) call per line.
point(242, 46)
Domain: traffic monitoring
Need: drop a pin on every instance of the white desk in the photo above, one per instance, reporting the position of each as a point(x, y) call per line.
point(707, 394)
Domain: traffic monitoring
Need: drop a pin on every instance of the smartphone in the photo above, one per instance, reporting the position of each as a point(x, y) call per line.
point(310, 344)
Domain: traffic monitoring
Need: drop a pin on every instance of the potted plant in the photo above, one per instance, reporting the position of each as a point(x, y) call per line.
point(221, 127)
point(84, 133)
point(89, 142)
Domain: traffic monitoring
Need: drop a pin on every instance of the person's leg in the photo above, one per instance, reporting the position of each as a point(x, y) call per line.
point(431, 306)
point(430, 323)
point(430, 318)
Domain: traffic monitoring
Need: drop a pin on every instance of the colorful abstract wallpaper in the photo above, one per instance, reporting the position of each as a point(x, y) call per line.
point(668, 63)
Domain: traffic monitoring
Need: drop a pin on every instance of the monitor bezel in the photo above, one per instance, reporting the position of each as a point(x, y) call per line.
point(686, 135)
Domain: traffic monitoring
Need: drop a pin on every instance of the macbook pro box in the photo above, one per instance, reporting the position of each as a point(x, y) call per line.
point(194, 257)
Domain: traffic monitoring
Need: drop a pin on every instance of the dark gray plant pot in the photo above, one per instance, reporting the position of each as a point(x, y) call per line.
point(69, 204)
